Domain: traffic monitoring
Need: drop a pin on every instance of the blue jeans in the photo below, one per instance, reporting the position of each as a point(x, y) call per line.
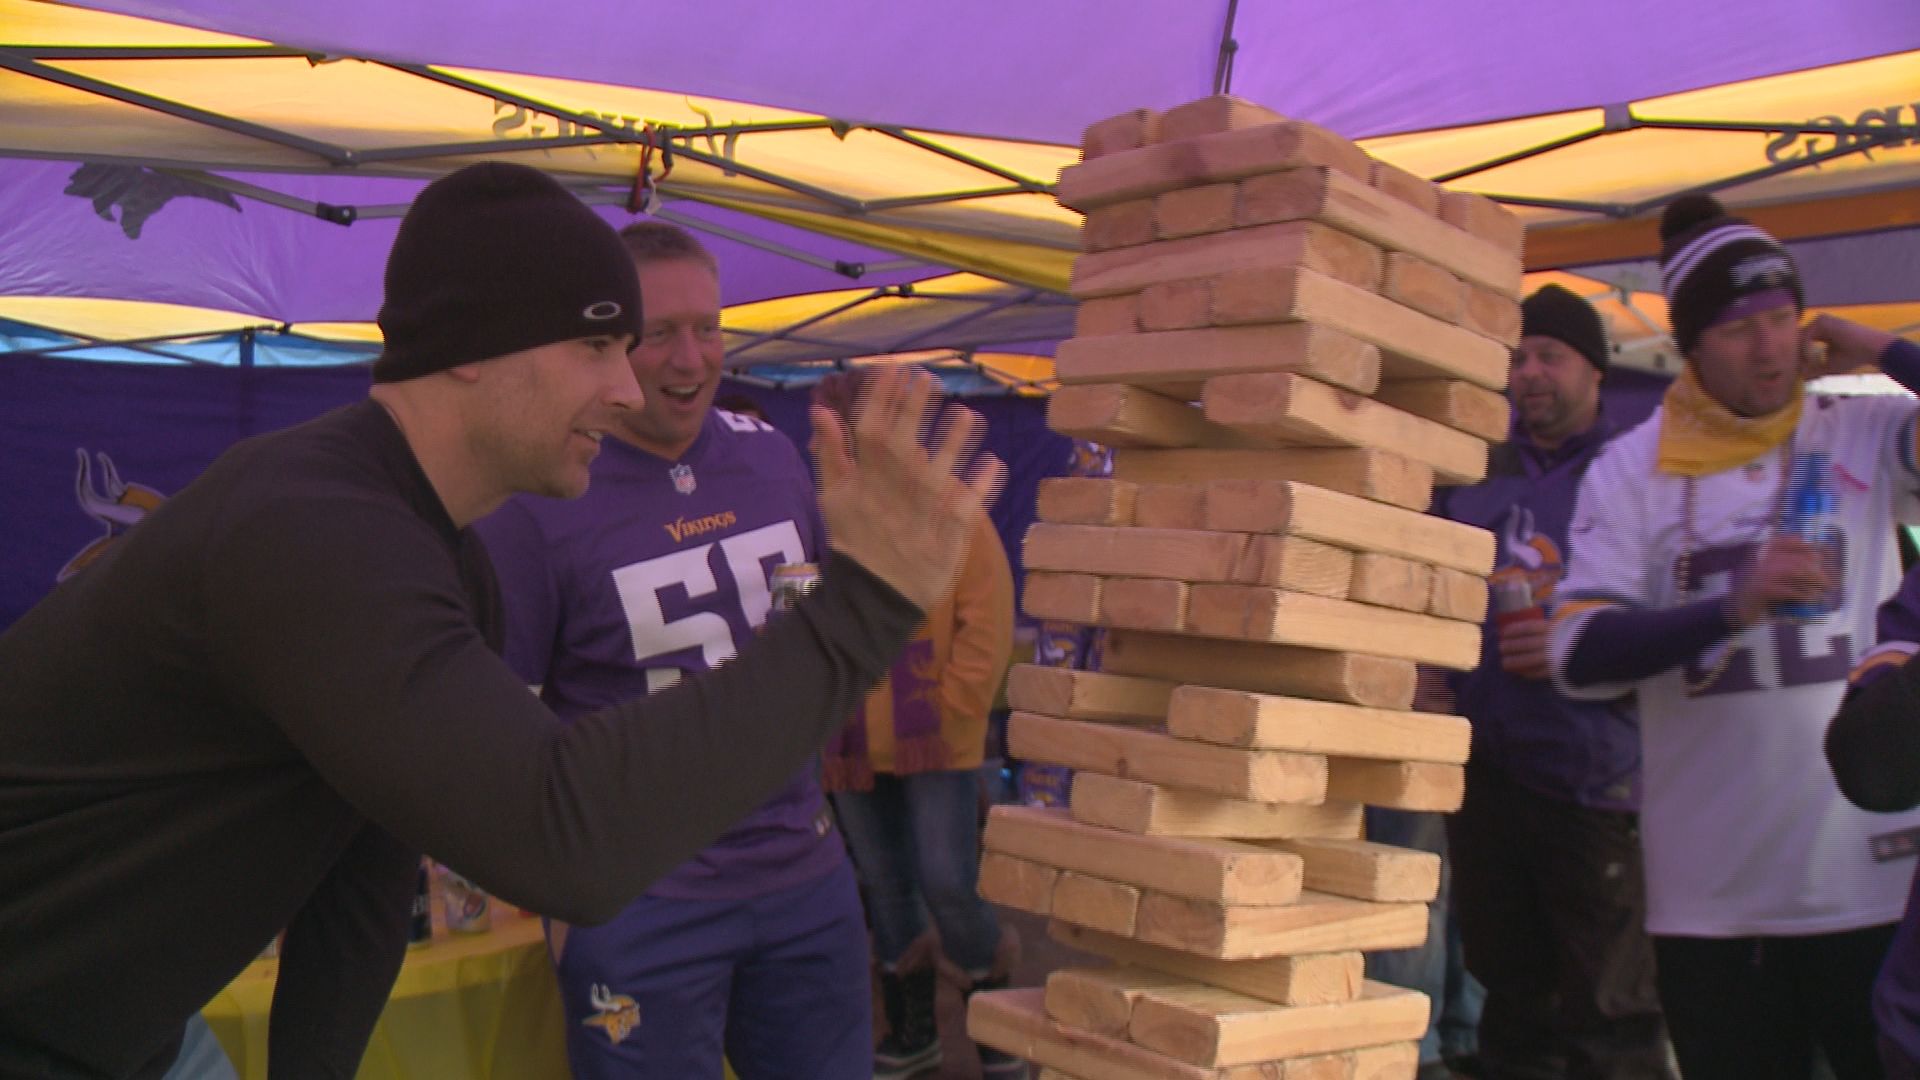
point(917, 838)
point(1436, 969)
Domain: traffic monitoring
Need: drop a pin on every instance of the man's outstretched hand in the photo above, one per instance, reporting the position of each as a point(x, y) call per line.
point(901, 511)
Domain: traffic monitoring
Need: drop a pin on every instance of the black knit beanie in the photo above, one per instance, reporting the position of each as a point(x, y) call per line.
point(496, 258)
point(1709, 262)
point(1562, 314)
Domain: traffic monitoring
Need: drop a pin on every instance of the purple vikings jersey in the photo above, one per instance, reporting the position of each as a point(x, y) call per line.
point(659, 571)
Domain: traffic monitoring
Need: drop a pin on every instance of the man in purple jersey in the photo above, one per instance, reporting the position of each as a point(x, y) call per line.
point(756, 947)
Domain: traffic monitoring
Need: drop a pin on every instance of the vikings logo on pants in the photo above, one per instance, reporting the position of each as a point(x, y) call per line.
point(615, 1014)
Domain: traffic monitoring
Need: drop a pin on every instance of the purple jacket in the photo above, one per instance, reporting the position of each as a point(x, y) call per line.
point(1583, 752)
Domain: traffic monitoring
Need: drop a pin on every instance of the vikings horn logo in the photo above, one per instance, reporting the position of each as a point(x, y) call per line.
point(615, 1014)
point(118, 506)
point(1527, 552)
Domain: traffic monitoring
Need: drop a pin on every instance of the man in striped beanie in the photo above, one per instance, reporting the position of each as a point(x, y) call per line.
point(1769, 910)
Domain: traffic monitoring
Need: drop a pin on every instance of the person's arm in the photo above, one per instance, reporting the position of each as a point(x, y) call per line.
point(342, 953)
point(342, 620)
point(1623, 644)
point(1607, 565)
point(1873, 743)
point(982, 627)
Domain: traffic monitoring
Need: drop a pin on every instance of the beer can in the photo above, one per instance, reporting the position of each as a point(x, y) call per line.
point(1513, 599)
point(791, 581)
point(465, 904)
point(420, 931)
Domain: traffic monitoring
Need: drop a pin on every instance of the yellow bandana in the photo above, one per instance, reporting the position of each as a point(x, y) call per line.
point(1699, 436)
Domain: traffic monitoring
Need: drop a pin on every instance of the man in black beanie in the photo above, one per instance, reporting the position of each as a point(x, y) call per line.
point(263, 704)
point(1545, 860)
point(1692, 587)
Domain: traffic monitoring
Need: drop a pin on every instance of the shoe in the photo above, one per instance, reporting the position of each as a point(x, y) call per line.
point(997, 1064)
point(912, 1045)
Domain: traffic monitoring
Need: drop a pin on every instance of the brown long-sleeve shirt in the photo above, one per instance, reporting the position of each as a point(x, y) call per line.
point(275, 692)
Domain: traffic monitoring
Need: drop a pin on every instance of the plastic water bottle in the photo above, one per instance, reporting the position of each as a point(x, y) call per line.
point(1810, 512)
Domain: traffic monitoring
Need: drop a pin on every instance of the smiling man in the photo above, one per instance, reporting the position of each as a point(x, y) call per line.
point(1769, 909)
point(756, 946)
point(1545, 857)
point(260, 707)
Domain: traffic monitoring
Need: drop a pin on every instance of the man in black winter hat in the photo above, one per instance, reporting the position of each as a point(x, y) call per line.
point(1693, 587)
point(262, 705)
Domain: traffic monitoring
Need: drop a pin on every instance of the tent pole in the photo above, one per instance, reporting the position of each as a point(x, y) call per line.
point(333, 155)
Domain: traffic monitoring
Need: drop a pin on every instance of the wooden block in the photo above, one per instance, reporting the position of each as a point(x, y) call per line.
point(1088, 695)
point(1257, 775)
point(1105, 315)
point(1389, 581)
point(1017, 883)
point(1180, 554)
point(1015, 1021)
point(1401, 785)
point(1209, 115)
point(1280, 246)
point(1283, 405)
point(1100, 1000)
point(1096, 902)
point(1311, 979)
point(1394, 1061)
point(1484, 218)
point(1120, 225)
point(1416, 191)
point(1209, 1026)
point(1130, 130)
point(1458, 595)
point(1295, 563)
point(1412, 345)
point(1144, 603)
point(1186, 304)
point(1294, 508)
point(1088, 500)
point(1368, 474)
point(1316, 923)
point(1366, 871)
point(1153, 810)
point(1205, 869)
point(1493, 314)
point(1267, 669)
point(1189, 356)
point(1423, 286)
point(1456, 403)
point(1257, 613)
point(1115, 414)
point(1336, 199)
point(1171, 506)
point(1267, 722)
point(1073, 598)
point(1206, 159)
point(1194, 211)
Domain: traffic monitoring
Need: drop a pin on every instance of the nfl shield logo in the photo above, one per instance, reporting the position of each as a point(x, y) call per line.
point(683, 481)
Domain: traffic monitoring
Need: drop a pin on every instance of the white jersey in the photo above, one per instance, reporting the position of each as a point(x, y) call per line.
point(1744, 830)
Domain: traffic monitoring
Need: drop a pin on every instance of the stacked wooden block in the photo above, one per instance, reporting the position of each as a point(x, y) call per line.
point(1288, 344)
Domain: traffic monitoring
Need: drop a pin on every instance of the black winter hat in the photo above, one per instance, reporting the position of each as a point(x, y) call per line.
point(496, 258)
point(1710, 262)
point(1560, 313)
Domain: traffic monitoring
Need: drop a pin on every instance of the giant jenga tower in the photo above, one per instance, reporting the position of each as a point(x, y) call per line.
point(1288, 343)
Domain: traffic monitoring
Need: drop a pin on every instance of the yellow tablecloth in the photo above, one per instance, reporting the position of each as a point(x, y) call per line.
point(479, 1006)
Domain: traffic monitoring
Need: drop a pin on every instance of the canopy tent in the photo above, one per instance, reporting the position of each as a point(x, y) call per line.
point(257, 132)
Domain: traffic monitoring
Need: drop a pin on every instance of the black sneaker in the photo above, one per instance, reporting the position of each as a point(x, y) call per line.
point(912, 1044)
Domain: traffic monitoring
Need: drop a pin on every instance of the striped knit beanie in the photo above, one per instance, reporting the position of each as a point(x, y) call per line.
point(1714, 268)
